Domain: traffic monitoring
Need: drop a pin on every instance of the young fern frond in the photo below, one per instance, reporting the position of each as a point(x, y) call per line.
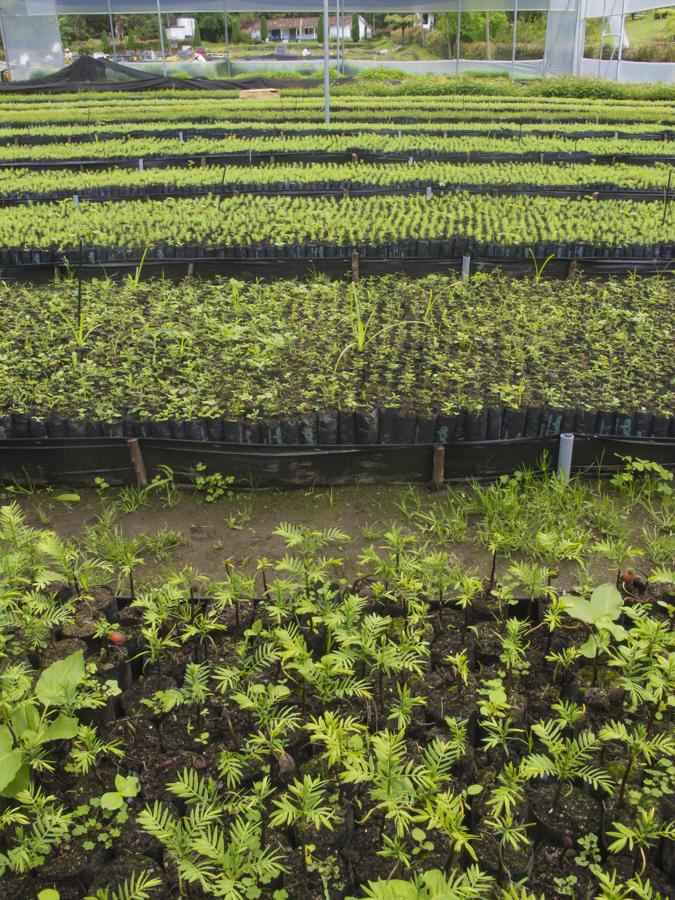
point(193, 789)
point(138, 886)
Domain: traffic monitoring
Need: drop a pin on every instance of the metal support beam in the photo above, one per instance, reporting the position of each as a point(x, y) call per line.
point(227, 40)
point(326, 62)
point(459, 29)
point(621, 38)
point(112, 31)
point(337, 37)
point(161, 37)
point(513, 47)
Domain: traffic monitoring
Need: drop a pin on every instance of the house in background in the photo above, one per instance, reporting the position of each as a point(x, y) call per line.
point(183, 30)
point(306, 28)
point(425, 21)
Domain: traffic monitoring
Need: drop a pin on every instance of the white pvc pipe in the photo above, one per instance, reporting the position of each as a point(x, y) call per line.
point(466, 267)
point(565, 450)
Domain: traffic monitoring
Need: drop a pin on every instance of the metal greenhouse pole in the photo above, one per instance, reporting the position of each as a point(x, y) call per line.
point(459, 28)
point(112, 31)
point(515, 29)
point(161, 37)
point(227, 40)
point(326, 64)
point(622, 34)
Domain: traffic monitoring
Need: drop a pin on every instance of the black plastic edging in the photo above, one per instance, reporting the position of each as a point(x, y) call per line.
point(282, 262)
point(340, 269)
point(376, 426)
point(114, 193)
point(240, 158)
point(79, 461)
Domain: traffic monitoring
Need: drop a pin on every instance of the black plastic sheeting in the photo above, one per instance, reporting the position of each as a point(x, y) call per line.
point(78, 461)
point(89, 74)
point(354, 154)
point(352, 188)
point(376, 426)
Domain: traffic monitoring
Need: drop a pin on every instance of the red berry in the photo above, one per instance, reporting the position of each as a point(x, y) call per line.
point(117, 638)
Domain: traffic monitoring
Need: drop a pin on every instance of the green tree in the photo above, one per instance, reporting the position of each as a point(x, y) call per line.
point(395, 22)
point(263, 28)
point(211, 27)
point(356, 31)
point(106, 44)
point(320, 30)
point(235, 30)
point(197, 36)
point(131, 41)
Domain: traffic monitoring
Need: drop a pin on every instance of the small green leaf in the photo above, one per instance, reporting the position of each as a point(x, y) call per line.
point(62, 728)
point(49, 894)
point(126, 787)
point(112, 800)
point(58, 682)
point(10, 759)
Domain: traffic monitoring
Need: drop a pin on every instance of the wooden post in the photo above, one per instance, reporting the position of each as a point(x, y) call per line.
point(355, 158)
point(438, 469)
point(355, 266)
point(572, 270)
point(137, 462)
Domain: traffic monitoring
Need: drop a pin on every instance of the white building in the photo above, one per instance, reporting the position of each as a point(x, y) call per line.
point(306, 28)
point(183, 30)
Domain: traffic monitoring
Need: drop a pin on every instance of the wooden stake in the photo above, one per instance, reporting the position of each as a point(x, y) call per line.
point(438, 469)
point(137, 462)
point(355, 266)
point(572, 270)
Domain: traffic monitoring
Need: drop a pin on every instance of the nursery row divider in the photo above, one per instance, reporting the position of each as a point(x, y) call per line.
point(342, 192)
point(337, 156)
point(273, 268)
point(352, 130)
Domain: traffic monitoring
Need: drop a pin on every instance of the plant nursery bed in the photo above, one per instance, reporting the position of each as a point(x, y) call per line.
point(339, 694)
